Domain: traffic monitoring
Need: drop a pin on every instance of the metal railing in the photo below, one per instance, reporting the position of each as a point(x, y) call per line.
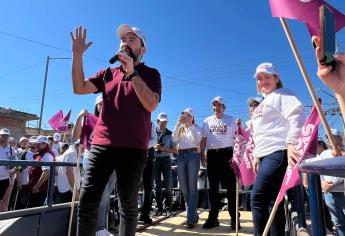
point(51, 179)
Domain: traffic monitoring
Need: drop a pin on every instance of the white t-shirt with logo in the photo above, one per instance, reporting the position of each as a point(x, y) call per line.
point(5, 154)
point(62, 182)
point(276, 122)
point(219, 133)
point(24, 175)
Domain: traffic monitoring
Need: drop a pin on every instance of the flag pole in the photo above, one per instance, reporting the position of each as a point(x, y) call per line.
point(270, 219)
point(74, 191)
point(309, 85)
point(237, 201)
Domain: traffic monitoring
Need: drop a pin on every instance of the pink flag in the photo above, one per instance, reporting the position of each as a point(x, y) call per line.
point(243, 157)
point(306, 11)
point(64, 122)
point(55, 120)
point(86, 136)
point(305, 147)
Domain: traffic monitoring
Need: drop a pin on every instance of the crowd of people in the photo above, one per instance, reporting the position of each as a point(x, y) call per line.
point(27, 186)
point(127, 147)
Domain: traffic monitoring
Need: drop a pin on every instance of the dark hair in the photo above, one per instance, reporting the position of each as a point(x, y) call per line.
point(323, 144)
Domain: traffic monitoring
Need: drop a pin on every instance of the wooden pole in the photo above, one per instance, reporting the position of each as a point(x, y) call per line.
point(74, 191)
point(270, 219)
point(309, 85)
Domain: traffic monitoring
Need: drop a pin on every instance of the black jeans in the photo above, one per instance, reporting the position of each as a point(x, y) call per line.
point(128, 164)
point(63, 197)
point(3, 187)
point(220, 171)
point(148, 184)
point(162, 165)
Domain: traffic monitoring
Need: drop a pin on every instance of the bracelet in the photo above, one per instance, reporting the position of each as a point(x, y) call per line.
point(133, 74)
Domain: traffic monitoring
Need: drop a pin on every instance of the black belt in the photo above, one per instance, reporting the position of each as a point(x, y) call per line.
point(162, 157)
point(220, 149)
point(188, 150)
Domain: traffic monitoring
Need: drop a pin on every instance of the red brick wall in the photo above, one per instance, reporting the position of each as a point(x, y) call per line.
point(16, 126)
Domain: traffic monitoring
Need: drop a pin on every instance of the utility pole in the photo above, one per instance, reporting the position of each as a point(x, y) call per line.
point(44, 87)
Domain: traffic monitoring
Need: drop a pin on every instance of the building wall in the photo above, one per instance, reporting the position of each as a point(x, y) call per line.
point(16, 126)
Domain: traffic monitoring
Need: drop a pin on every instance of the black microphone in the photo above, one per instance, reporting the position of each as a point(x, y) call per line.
point(114, 59)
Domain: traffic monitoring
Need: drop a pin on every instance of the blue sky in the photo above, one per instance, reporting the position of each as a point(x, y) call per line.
point(202, 49)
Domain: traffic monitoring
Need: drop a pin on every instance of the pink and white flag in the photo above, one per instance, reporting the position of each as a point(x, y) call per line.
point(306, 147)
point(55, 120)
point(306, 11)
point(64, 122)
point(89, 125)
point(242, 161)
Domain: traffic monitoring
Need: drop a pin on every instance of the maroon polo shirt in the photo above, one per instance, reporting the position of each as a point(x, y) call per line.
point(123, 120)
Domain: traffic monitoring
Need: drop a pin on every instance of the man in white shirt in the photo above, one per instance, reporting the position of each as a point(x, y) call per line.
point(333, 188)
point(6, 153)
point(22, 176)
point(65, 180)
point(56, 145)
point(38, 176)
point(218, 139)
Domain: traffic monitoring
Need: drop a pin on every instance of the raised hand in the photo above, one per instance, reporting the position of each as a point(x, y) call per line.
point(79, 46)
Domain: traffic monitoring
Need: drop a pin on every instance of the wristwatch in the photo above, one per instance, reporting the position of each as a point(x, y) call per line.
point(130, 77)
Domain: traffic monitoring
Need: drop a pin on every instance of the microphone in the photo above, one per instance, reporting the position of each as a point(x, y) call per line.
point(114, 59)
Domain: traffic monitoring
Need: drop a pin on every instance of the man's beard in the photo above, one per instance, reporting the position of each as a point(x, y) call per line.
point(135, 55)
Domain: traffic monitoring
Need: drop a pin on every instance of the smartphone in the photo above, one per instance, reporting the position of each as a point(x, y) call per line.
point(327, 36)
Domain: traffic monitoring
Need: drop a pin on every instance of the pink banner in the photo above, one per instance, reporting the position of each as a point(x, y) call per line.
point(55, 120)
point(64, 122)
point(305, 147)
point(306, 11)
point(86, 136)
point(242, 161)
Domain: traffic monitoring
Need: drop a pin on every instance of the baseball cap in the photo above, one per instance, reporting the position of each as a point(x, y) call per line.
point(33, 139)
point(266, 67)
point(99, 99)
point(124, 29)
point(162, 116)
point(22, 139)
point(42, 139)
point(218, 99)
point(57, 137)
point(254, 99)
point(5, 131)
point(189, 111)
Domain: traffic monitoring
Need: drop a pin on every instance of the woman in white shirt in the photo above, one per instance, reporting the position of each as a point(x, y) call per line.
point(276, 122)
point(188, 135)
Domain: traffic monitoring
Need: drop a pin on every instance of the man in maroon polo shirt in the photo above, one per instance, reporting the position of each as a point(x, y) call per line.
point(130, 93)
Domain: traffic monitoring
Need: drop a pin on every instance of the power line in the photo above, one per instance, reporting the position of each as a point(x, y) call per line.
point(46, 45)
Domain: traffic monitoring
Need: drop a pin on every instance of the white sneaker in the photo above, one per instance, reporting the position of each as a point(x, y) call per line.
point(103, 232)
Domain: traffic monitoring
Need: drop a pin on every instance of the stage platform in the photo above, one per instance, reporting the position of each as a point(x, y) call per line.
point(174, 225)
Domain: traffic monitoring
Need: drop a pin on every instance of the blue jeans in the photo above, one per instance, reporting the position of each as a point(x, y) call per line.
point(188, 165)
point(336, 204)
point(265, 191)
point(162, 165)
point(128, 164)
